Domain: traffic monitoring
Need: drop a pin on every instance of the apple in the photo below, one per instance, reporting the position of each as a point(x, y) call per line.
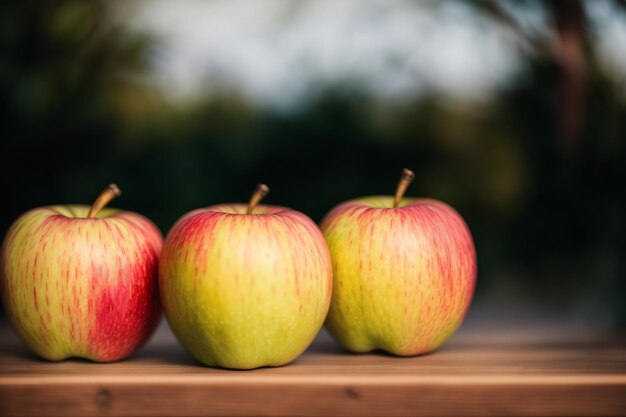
point(245, 286)
point(404, 271)
point(80, 281)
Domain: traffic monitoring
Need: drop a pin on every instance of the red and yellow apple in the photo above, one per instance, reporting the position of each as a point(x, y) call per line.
point(245, 287)
point(80, 281)
point(404, 272)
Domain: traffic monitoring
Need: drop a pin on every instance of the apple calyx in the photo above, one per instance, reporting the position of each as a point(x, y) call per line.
point(405, 180)
point(110, 192)
point(259, 194)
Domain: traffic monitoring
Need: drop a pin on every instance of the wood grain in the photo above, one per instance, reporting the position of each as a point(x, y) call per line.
point(481, 371)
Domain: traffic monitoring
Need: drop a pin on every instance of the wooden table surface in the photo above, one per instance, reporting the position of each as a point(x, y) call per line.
point(483, 370)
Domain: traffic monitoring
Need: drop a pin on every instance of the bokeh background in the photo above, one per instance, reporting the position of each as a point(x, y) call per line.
point(514, 112)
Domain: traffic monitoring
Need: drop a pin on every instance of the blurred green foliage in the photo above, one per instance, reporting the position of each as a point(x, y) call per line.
point(77, 111)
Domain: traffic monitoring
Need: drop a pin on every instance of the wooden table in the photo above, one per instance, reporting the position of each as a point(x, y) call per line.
point(483, 370)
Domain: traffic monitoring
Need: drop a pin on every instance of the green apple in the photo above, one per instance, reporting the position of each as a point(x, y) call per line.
point(80, 281)
point(245, 286)
point(404, 272)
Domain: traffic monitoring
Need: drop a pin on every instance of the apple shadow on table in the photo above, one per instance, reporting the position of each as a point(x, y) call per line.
point(325, 344)
point(22, 353)
point(170, 354)
point(164, 347)
point(168, 350)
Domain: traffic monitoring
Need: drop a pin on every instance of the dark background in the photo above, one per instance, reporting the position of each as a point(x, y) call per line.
point(537, 168)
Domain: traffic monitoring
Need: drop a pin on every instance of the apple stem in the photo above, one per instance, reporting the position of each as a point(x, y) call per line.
point(259, 193)
point(112, 191)
point(405, 180)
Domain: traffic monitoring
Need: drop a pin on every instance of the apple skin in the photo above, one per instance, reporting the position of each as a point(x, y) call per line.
point(245, 291)
point(82, 287)
point(404, 277)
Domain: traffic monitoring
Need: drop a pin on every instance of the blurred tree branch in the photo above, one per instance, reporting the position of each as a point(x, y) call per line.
point(495, 10)
point(569, 20)
point(567, 50)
